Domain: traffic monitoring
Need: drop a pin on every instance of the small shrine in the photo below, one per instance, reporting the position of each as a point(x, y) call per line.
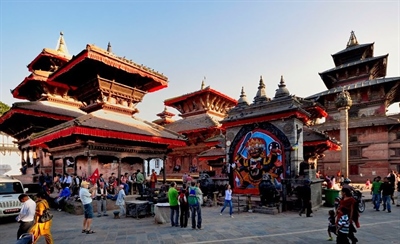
point(268, 138)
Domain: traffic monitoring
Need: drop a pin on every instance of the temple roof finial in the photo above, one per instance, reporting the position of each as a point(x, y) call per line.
point(282, 91)
point(352, 40)
point(61, 46)
point(203, 83)
point(109, 49)
point(243, 97)
point(261, 94)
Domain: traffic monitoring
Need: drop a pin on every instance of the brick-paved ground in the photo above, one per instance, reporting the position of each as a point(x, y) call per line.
point(287, 227)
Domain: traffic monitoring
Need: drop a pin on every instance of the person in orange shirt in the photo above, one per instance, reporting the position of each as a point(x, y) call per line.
point(41, 229)
point(153, 179)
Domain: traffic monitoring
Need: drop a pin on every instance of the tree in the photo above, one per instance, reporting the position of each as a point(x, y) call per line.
point(3, 108)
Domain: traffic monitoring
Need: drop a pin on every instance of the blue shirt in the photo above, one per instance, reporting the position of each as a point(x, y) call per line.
point(66, 192)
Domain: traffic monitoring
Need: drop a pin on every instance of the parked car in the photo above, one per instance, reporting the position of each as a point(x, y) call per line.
point(10, 189)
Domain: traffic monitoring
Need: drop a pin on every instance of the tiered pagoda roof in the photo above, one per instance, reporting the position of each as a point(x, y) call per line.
point(201, 110)
point(165, 117)
point(363, 75)
point(353, 64)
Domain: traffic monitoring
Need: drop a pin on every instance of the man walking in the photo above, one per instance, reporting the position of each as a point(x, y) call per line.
point(306, 198)
point(26, 214)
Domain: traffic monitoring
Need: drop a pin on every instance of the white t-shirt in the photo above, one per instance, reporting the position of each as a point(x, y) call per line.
point(228, 194)
point(27, 212)
point(85, 196)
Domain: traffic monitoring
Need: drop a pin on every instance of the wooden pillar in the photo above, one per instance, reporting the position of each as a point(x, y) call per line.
point(75, 166)
point(53, 166)
point(22, 156)
point(64, 170)
point(28, 160)
point(164, 164)
point(34, 157)
point(89, 161)
point(143, 168)
point(119, 170)
point(148, 166)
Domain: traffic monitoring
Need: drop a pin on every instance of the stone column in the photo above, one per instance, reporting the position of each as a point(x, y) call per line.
point(343, 103)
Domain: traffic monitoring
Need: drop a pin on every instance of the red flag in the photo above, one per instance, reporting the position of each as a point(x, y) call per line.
point(94, 177)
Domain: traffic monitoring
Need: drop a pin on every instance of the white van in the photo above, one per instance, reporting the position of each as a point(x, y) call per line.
point(10, 189)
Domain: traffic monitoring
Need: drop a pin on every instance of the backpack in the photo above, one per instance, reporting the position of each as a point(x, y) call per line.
point(182, 199)
point(192, 199)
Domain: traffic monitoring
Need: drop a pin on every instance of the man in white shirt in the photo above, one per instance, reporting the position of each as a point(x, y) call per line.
point(26, 214)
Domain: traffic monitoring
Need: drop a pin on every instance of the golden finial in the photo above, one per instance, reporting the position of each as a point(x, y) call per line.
point(203, 83)
point(352, 40)
point(61, 46)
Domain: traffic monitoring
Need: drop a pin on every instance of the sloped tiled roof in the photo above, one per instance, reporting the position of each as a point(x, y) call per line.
point(343, 66)
point(356, 85)
point(195, 122)
point(358, 123)
point(49, 107)
point(110, 121)
point(212, 152)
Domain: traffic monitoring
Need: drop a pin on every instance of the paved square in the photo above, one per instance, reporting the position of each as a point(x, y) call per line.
point(288, 227)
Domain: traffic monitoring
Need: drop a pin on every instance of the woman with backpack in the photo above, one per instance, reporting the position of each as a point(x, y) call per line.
point(184, 206)
point(228, 200)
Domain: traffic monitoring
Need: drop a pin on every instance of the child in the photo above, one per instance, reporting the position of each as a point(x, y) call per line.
point(367, 184)
point(343, 226)
point(331, 225)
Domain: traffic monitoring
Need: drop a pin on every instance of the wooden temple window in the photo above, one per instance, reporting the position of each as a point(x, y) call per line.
point(396, 152)
point(353, 169)
point(353, 138)
point(355, 153)
point(398, 135)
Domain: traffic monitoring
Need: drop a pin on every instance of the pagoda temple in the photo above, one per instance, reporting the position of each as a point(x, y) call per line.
point(81, 113)
point(374, 136)
point(201, 113)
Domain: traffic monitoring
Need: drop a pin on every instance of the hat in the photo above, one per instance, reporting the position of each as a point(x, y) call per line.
point(85, 183)
point(121, 186)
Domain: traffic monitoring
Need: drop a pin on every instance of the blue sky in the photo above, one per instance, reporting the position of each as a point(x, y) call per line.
point(231, 43)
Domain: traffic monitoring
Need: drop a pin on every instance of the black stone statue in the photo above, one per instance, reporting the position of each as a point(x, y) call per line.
point(268, 193)
point(207, 185)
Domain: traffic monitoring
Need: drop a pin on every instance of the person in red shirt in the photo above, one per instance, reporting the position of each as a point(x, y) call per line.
point(348, 202)
point(153, 179)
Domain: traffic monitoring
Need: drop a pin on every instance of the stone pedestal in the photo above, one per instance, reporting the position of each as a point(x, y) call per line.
point(316, 193)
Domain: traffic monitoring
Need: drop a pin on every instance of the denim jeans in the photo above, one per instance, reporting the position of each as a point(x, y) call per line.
point(376, 199)
point(196, 210)
point(174, 215)
point(386, 202)
point(226, 203)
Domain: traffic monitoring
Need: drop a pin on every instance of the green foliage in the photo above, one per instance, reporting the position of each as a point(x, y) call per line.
point(3, 108)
